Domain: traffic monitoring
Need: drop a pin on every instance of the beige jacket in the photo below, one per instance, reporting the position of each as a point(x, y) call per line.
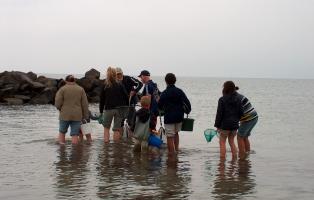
point(72, 103)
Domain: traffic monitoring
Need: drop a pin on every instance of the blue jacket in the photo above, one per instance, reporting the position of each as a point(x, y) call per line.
point(174, 103)
point(151, 89)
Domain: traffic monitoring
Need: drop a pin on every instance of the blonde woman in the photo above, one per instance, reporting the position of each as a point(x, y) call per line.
point(112, 99)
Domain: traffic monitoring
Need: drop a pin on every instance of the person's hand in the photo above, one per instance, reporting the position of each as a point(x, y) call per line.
point(132, 93)
point(157, 98)
point(101, 118)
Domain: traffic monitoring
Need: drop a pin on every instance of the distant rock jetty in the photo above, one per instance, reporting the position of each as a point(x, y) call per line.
point(18, 88)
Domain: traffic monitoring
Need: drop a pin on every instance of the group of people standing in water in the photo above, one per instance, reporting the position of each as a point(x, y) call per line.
point(121, 93)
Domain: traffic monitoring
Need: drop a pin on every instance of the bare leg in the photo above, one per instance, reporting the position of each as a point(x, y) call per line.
point(106, 135)
point(61, 138)
point(171, 145)
point(222, 145)
point(137, 146)
point(81, 136)
point(116, 136)
point(232, 145)
point(88, 137)
point(247, 144)
point(241, 146)
point(176, 141)
point(75, 139)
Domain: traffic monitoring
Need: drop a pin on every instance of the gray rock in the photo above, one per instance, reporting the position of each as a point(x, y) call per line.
point(48, 82)
point(13, 101)
point(37, 85)
point(61, 83)
point(92, 74)
point(86, 83)
point(45, 97)
point(23, 97)
point(94, 99)
point(32, 76)
point(9, 89)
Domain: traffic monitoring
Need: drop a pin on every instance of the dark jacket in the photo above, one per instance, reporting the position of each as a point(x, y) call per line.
point(132, 84)
point(143, 115)
point(229, 112)
point(113, 97)
point(151, 89)
point(174, 103)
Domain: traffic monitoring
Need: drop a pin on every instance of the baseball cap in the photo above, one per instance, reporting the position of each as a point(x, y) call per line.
point(144, 73)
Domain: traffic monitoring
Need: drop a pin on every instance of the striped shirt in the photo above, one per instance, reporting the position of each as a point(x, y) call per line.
point(249, 112)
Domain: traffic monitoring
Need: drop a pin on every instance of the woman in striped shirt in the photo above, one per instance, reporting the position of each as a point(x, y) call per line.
point(247, 123)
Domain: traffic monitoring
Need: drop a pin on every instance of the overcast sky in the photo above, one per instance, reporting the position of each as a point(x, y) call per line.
point(215, 38)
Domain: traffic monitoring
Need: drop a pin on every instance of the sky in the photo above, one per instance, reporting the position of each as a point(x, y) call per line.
point(208, 38)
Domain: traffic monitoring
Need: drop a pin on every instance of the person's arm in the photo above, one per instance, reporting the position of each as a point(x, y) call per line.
point(161, 102)
point(219, 114)
point(59, 99)
point(102, 100)
point(125, 94)
point(186, 103)
point(137, 85)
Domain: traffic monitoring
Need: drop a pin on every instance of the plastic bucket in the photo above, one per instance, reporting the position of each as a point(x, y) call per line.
point(210, 134)
point(187, 124)
point(86, 128)
point(154, 141)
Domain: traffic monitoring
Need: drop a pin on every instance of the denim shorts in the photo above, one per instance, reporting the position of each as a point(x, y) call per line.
point(172, 129)
point(246, 127)
point(75, 127)
point(113, 114)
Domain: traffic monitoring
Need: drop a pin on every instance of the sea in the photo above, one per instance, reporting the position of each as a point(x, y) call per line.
point(280, 165)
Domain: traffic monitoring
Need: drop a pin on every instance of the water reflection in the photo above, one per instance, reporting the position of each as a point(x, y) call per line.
point(123, 174)
point(71, 169)
point(234, 180)
point(117, 173)
point(174, 183)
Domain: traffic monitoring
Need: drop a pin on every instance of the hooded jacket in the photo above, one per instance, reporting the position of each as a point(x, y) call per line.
point(229, 112)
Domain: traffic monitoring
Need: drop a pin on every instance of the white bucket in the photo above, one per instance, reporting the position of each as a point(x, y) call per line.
point(86, 128)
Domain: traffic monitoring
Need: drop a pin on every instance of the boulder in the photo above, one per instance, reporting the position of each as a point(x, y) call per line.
point(60, 83)
point(86, 83)
point(42, 79)
point(25, 87)
point(9, 89)
point(20, 78)
point(92, 74)
point(37, 85)
point(32, 76)
point(48, 82)
point(94, 99)
point(13, 101)
point(45, 97)
point(96, 91)
point(23, 97)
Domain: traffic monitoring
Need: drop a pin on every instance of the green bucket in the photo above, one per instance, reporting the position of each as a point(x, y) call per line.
point(187, 124)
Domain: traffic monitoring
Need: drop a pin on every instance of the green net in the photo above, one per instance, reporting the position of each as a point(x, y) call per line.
point(210, 134)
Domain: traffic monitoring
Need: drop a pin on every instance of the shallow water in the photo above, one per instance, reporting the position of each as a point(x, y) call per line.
point(33, 166)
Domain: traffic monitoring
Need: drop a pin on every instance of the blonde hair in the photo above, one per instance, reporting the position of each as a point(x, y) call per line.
point(145, 101)
point(111, 77)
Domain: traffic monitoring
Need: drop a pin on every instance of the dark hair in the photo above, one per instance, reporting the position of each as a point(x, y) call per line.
point(229, 88)
point(69, 78)
point(170, 79)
